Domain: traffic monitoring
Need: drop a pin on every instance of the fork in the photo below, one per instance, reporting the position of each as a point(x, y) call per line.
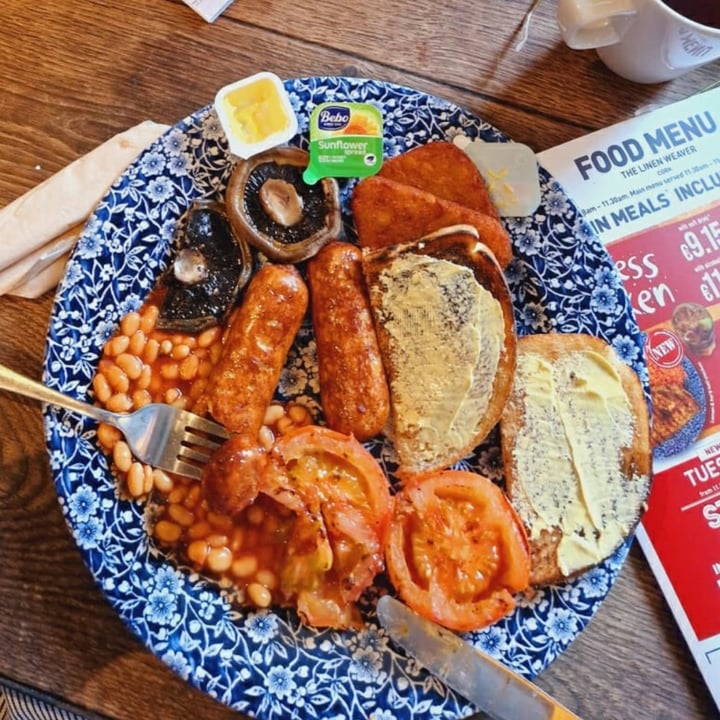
point(160, 435)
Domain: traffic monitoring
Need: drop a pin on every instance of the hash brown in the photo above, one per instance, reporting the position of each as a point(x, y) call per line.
point(387, 213)
point(442, 169)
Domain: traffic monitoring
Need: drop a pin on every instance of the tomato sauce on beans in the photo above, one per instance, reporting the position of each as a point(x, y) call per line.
point(142, 364)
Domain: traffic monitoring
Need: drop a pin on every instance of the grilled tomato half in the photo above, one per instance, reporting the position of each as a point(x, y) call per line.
point(456, 550)
point(342, 503)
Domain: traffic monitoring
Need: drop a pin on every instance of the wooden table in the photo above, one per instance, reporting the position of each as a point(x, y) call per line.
point(73, 74)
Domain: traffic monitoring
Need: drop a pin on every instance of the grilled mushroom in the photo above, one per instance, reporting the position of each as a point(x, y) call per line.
point(275, 210)
point(210, 268)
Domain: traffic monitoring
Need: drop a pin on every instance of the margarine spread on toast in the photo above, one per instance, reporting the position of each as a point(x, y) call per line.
point(446, 335)
point(569, 455)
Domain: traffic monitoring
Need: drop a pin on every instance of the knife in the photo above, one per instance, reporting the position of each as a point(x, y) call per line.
point(498, 691)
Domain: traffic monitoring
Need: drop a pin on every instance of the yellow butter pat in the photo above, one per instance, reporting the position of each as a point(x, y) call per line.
point(510, 171)
point(256, 114)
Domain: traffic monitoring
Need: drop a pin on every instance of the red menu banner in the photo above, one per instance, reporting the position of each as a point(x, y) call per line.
point(683, 520)
point(672, 275)
point(676, 262)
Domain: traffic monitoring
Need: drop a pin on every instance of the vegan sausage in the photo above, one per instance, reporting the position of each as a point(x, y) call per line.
point(258, 340)
point(353, 388)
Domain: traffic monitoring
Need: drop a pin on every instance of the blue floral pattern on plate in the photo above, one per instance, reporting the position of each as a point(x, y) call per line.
point(267, 664)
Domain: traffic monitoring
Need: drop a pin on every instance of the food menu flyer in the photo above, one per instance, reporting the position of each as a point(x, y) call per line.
point(650, 189)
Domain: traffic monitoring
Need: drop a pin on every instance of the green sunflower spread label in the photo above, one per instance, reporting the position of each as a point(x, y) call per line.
point(346, 140)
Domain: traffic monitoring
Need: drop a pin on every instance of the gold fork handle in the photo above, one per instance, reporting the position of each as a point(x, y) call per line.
point(562, 713)
point(16, 383)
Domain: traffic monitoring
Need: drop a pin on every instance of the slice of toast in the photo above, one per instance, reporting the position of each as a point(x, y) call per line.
point(442, 169)
point(575, 442)
point(444, 318)
point(387, 213)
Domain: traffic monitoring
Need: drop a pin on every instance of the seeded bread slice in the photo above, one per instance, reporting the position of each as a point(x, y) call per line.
point(444, 318)
point(576, 450)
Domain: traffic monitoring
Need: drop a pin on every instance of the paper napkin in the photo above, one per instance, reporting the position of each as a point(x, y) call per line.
point(210, 10)
point(39, 228)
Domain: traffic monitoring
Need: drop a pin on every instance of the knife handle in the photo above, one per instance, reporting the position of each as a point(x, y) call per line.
point(562, 713)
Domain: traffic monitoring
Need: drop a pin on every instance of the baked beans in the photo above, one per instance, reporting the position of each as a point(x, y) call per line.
point(141, 364)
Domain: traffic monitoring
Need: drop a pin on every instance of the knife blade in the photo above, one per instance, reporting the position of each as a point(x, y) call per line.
point(495, 689)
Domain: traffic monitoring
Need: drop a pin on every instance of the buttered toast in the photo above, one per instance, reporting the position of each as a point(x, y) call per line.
point(444, 319)
point(576, 450)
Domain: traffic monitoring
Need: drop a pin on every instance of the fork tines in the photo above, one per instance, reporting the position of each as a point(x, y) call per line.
point(200, 439)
